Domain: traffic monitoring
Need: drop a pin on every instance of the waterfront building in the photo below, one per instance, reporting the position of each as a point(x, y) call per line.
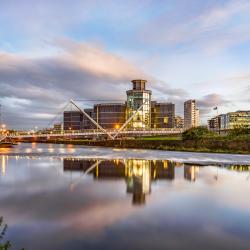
point(138, 97)
point(214, 123)
point(151, 114)
point(230, 120)
point(191, 114)
point(222, 119)
point(109, 115)
point(72, 120)
point(87, 124)
point(162, 115)
point(57, 127)
point(237, 119)
point(179, 122)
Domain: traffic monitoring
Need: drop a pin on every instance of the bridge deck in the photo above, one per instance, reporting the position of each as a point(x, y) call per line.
point(96, 133)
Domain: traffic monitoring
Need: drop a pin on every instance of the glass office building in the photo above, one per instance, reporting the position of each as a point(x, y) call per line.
point(238, 119)
point(139, 105)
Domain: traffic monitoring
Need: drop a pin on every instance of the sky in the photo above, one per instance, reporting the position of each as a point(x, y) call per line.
point(54, 51)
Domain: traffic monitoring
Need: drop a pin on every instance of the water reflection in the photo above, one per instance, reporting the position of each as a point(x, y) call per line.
point(190, 172)
point(137, 173)
point(76, 203)
point(3, 164)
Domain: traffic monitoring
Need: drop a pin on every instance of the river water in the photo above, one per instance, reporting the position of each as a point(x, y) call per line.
point(74, 197)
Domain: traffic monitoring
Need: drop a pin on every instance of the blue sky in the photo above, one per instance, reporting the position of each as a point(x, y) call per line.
point(51, 51)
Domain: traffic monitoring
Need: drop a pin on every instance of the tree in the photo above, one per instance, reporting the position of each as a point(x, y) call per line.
point(197, 133)
point(3, 229)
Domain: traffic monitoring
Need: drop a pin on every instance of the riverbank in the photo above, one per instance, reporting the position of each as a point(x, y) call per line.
point(6, 145)
point(204, 145)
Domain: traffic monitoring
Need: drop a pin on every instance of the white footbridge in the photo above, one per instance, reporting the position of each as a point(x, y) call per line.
point(111, 134)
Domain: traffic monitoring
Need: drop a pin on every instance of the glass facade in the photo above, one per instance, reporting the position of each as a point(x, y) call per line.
point(136, 99)
point(238, 119)
point(230, 120)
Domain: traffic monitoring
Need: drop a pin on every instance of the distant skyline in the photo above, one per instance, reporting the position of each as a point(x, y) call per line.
point(52, 51)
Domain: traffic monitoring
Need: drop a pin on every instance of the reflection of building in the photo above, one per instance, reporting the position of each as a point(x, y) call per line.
point(3, 164)
point(191, 114)
point(163, 169)
point(162, 115)
point(138, 173)
point(70, 164)
point(239, 168)
point(136, 98)
point(190, 172)
point(138, 179)
point(110, 115)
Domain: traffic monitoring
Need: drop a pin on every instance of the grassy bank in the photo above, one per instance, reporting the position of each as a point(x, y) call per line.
point(197, 139)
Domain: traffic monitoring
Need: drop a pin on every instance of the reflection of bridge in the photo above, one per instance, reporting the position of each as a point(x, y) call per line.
point(2, 137)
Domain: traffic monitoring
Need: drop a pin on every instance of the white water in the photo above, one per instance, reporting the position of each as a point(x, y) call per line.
point(55, 150)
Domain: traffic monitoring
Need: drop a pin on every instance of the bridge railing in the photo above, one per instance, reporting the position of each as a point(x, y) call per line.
point(91, 132)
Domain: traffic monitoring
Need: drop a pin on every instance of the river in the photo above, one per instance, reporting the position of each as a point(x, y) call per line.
point(75, 197)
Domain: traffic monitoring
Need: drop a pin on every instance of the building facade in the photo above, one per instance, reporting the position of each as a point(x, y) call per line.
point(230, 120)
point(162, 115)
point(214, 123)
point(72, 120)
point(109, 115)
point(139, 97)
point(87, 124)
point(146, 114)
point(237, 119)
point(179, 122)
point(191, 114)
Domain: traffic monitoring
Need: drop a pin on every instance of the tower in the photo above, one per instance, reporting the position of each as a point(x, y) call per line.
point(191, 114)
point(139, 97)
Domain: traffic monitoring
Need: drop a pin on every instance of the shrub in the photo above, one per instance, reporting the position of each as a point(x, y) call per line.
point(239, 131)
point(197, 133)
point(3, 229)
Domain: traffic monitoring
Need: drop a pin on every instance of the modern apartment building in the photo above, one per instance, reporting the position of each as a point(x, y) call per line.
point(179, 121)
point(191, 114)
point(214, 123)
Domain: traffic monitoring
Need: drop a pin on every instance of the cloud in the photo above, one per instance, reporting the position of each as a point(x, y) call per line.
point(76, 70)
point(214, 27)
point(42, 84)
point(211, 100)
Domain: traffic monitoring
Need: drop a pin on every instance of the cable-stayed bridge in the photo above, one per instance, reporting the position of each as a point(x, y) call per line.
point(111, 134)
